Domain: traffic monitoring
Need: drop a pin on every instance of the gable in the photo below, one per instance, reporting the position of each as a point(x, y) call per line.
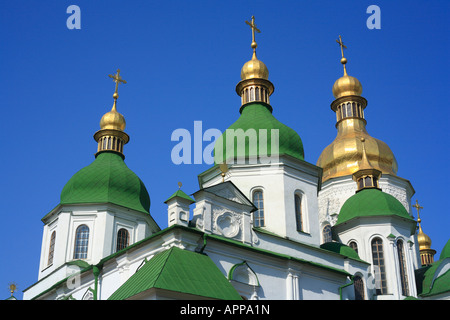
point(179, 271)
point(229, 191)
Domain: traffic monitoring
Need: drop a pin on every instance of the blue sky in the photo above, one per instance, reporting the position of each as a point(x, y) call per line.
point(182, 61)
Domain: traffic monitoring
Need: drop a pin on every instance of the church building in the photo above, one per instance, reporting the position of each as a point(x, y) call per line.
point(263, 224)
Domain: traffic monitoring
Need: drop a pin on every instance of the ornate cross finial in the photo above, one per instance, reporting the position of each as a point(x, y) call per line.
point(254, 28)
point(343, 60)
point(418, 207)
point(117, 79)
point(12, 288)
point(224, 169)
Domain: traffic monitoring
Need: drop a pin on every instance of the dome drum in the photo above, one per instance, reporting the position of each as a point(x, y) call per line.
point(111, 140)
point(349, 107)
point(255, 90)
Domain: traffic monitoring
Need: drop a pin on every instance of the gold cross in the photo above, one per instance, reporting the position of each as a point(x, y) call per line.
point(254, 28)
point(418, 207)
point(341, 44)
point(117, 79)
point(343, 60)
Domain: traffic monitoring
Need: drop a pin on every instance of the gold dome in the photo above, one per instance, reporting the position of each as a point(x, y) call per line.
point(343, 156)
point(423, 240)
point(113, 120)
point(254, 69)
point(347, 86)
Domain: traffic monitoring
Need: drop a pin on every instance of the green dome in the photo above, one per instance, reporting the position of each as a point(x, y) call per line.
point(257, 116)
point(371, 202)
point(445, 253)
point(435, 278)
point(107, 179)
point(341, 249)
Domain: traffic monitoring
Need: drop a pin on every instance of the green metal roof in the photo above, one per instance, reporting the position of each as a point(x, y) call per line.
point(435, 278)
point(340, 248)
point(258, 117)
point(181, 194)
point(107, 179)
point(180, 271)
point(445, 253)
point(371, 202)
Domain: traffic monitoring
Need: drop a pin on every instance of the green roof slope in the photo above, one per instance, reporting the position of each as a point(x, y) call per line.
point(341, 249)
point(180, 271)
point(435, 278)
point(258, 117)
point(445, 253)
point(107, 179)
point(371, 202)
point(179, 193)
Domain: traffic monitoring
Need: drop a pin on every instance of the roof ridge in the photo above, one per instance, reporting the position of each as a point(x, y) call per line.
point(164, 264)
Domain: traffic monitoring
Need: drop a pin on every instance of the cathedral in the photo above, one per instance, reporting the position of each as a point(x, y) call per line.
point(264, 223)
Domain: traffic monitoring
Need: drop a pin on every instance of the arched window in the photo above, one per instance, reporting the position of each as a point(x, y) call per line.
point(379, 266)
point(258, 216)
point(349, 109)
point(122, 239)
point(367, 181)
point(359, 287)
point(298, 212)
point(402, 267)
point(354, 109)
point(353, 245)
point(81, 242)
point(326, 232)
point(51, 250)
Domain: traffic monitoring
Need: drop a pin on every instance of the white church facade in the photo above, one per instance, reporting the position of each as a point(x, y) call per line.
point(258, 227)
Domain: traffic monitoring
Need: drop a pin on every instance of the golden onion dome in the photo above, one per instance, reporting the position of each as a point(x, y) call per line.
point(113, 120)
point(343, 156)
point(424, 240)
point(347, 86)
point(254, 68)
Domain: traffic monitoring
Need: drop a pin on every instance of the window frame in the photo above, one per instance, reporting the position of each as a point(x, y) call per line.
point(379, 261)
point(257, 216)
point(298, 207)
point(78, 253)
point(119, 244)
point(403, 268)
point(51, 248)
point(358, 285)
point(327, 235)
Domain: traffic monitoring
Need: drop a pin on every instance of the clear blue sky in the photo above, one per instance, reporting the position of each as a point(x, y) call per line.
point(182, 60)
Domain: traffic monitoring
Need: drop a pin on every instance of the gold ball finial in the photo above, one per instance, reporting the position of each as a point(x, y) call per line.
point(115, 95)
point(344, 60)
point(254, 45)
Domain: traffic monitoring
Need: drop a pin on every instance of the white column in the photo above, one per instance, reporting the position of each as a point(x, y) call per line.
point(396, 283)
point(289, 287)
point(410, 265)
